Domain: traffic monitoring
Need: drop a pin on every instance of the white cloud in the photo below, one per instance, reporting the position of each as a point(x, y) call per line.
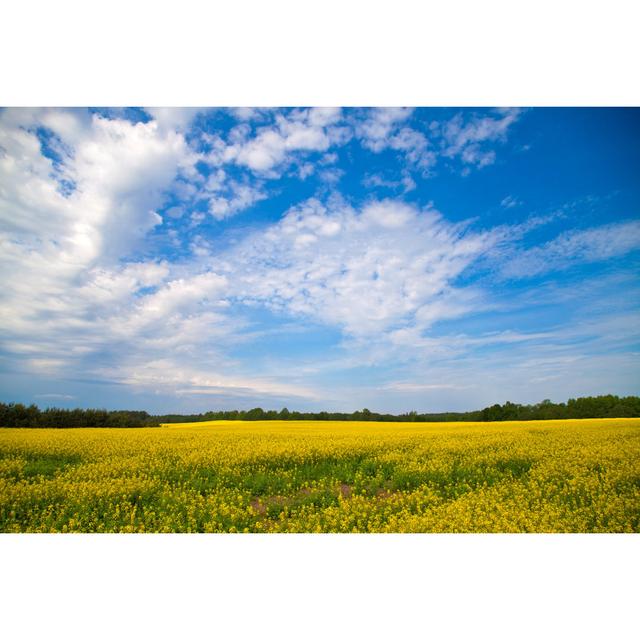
point(241, 196)
point(260, 154)
point(86, 309)
point(54, 396)
point(303, 130)
point(508, 202)
point(412, 387)
point(62, 255)
point(331, 176)
point(324, 116)
point(414, 145)
point(119, 171)
point(388, 214)
point(364, 271)
point(173, 118)
point(382, 129)
point(328, 158)
point(171, 375)
point(291, 137)
point(375, 130)
point(246, 113)
point(305, 170)
point(200, 247)
point(407, 183)
point(181, 296)
point(575, 247)
point(464, 138)
point(226, 196)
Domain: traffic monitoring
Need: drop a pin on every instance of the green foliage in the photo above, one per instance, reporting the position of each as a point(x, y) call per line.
point(20, 416)
point(608, 406)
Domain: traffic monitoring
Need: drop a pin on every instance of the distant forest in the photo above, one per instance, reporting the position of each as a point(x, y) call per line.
point(20, 416)
point(609, 406)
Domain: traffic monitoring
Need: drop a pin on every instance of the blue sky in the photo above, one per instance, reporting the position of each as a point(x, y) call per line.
point(399, 259)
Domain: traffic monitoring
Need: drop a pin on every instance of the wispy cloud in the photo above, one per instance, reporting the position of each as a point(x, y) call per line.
point(508, 202)
point(54, 396)
point(413, 387)
point(384, 128)
point(175, 376)
point(365, 271)
point(238, 197)
point(466, 138)
point(379, 125)
point(575, 247)
point(406, 183)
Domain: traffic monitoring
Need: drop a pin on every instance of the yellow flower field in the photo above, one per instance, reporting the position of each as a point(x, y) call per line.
point(276, 476)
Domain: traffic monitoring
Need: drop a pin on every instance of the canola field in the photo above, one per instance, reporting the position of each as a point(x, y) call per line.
point(554, 476)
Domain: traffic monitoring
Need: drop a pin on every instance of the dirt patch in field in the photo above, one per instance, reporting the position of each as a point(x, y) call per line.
point(258, 506)
point(264, 504)
point(345, 490)
point(269, 506)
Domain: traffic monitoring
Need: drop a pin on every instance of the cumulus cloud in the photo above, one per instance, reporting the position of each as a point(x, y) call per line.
point(303, 130)
point(118, 170)
point(238, 197)
point(375, 129)
point(245, 114)
point(466, 138)
point(268, 145)
point(62, 253)
point(382, 128)
point(173, 118)
point(223, 196)
point(87, 306)
point(331, 176)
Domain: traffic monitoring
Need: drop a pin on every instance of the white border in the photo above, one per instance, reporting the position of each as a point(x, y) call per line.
point(287, 52)
point(319, 586)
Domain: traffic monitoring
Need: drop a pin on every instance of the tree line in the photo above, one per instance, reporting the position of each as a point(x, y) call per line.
point(609, 406)
point(19, 415)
